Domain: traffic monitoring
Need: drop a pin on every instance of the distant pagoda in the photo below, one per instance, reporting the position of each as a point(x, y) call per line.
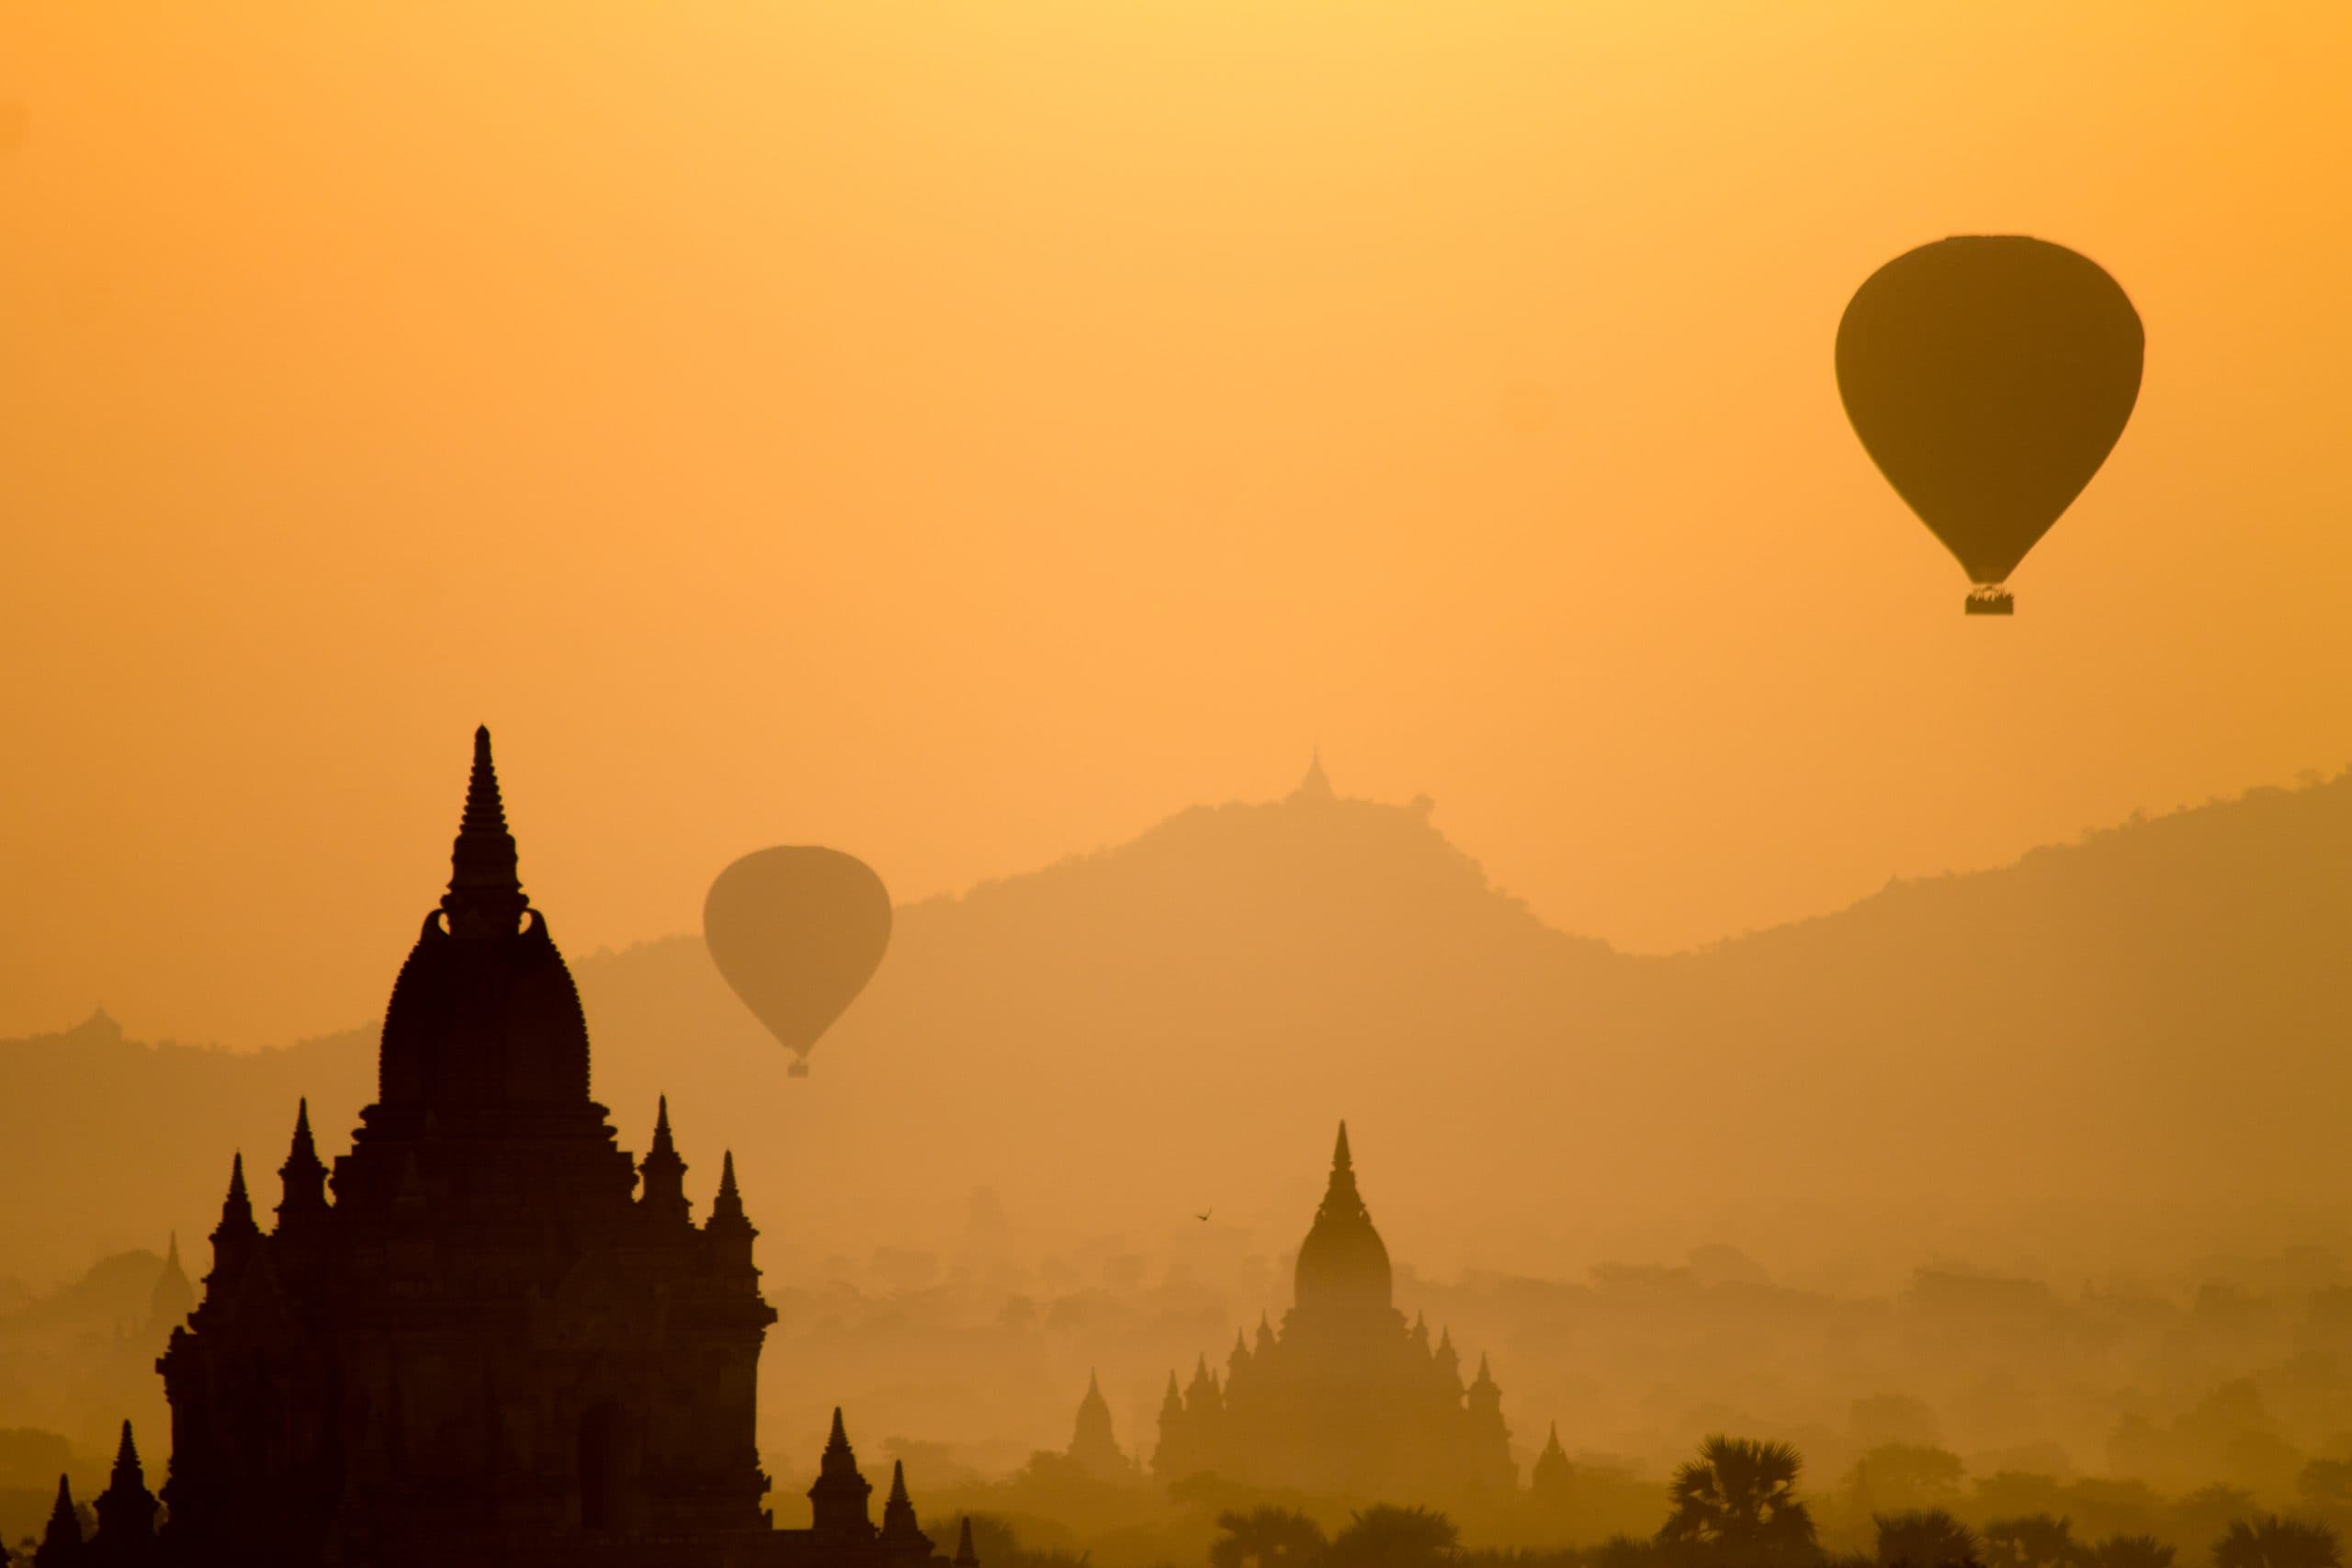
point(1346, 1399)
point(1093, 1447)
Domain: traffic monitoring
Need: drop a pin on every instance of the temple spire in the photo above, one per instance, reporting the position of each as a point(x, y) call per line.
point(304, 1175)
point(126, 1509)
point(729, 1231)
point(727, 1208)
point(170, 1302)
point(62, 1542)
point(1317, 785)
point(485, 897)
point(965, 1556)
point(1341, 1199)
point(902, 1534)
point(838, 1499)
point(1552, 1476)
point(237, 1207)
point(665, 1173)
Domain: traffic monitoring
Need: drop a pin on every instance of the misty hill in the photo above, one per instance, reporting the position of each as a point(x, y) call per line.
point(2114, 1050)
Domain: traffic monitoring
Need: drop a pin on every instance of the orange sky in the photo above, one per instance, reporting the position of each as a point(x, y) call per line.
point(964, 434)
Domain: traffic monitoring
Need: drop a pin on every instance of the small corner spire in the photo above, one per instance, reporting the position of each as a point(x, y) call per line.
point(730, 1200)
point(965, 1556)
point(237, 1207)
point(303, 1177)
point(665, 1172)
point(62, 1542)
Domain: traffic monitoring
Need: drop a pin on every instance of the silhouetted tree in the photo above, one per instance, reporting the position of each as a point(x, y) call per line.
point(1736, 1505)
point(1625, 1551)
point(1900, 1478)
point(1926, 1538)
point(2130, 1552)
point(994, 1541)
point(2269, 1541)
point(1386, 1537)
point(2034, 1541)
point(2207, 1511)
point(1267, 1538)
point(2326, 1483)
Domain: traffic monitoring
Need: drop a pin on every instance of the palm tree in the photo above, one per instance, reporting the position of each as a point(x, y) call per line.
point(1386, 1537)
point(1926, 1539)
point(2131, 1552)
point(1736, 1504)
point(1267, 1538)
point(2032, 1541)
point(2267, 1540)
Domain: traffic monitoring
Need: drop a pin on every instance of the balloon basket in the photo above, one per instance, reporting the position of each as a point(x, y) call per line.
point(798, 1070)
point(1987, 600)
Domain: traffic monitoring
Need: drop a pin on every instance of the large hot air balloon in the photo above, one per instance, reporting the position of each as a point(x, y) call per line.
point(796, 931)
point(1988, 376)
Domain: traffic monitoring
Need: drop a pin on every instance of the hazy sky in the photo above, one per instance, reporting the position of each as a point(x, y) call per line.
point(964, 434)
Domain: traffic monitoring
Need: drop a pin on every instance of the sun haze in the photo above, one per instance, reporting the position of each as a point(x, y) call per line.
point(966, 434)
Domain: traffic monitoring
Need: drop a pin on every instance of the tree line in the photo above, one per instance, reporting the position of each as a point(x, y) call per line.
point(1736, 1505)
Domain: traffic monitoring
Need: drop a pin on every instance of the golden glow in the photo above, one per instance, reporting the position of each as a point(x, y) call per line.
point(964, 434)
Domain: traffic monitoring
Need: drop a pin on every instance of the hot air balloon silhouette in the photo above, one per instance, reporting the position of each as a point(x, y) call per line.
point(1989, 377)
point(796, 931)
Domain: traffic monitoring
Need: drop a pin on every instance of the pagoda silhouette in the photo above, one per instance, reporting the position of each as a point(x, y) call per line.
point(1346, 1399)
point(500, 1340)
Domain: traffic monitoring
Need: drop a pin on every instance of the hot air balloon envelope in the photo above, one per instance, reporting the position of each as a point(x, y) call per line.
point(1989, 377)
point(798, 931)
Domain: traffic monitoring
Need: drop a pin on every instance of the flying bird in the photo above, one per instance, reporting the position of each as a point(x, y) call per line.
point(1204, 1214)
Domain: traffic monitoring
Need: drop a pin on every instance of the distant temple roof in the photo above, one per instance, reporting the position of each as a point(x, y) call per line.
point(1317, 785)
point(1343, 1264)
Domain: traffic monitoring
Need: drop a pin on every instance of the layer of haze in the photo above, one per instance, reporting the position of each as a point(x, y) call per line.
point(967, 434)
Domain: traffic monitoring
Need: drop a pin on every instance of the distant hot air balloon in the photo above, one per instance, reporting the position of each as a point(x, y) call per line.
point(1989, 377)
point(798, 931)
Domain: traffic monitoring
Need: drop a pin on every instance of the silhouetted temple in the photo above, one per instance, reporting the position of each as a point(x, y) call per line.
point(1346, 1399)
point(501, 1341)
point(1093, 1447)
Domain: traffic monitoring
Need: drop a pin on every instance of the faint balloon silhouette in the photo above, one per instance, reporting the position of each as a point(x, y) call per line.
point(1988, 376)
point(796, 931)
